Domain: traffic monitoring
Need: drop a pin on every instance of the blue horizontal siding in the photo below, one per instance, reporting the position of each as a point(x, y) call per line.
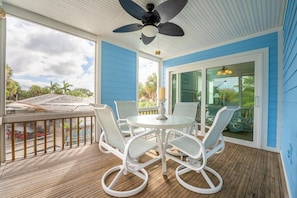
point(268, 40)
point(242, 46)
point(118, 74)
point(289, 95)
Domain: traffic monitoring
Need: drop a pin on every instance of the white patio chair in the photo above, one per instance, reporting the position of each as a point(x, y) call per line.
point(124, 109)
point(127, 149)
point(199, 151)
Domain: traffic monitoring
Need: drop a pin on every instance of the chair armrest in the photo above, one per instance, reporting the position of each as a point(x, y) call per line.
point(131, 131)
point(208, 127)
point(121, 120)
point(196, 129)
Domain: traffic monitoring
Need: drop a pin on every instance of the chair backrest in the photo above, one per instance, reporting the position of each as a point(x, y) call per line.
point(186, 109)
point(221, 120)
point(126, 108)
point(105, 118)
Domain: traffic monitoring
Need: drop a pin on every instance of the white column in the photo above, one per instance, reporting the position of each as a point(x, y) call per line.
point(2, 84)
point(97, 90)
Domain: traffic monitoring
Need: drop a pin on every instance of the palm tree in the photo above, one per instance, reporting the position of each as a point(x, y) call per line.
point(151, 86)
point(65, 87)
point(53, 87)
point(248, 87)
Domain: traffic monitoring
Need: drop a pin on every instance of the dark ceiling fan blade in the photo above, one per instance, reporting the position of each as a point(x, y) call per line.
point(147, 40)
point(133, 9)
point(169, 9)
point(170, 29)
point(129, 28)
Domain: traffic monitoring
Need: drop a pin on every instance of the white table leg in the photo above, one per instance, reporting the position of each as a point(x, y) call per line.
point(164, 164)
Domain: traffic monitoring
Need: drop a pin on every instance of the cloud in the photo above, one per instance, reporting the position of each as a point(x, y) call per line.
point(147, 67)
point(38, 55)
point(52, 42)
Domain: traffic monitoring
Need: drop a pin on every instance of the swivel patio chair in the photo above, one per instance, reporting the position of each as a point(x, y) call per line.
point(129, 150)
point(199, 152)
point(124, 109)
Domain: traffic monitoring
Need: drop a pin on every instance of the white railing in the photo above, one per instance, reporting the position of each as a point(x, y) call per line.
point(148, 110)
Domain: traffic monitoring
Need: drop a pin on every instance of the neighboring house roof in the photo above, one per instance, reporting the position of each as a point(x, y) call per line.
point(51, 103)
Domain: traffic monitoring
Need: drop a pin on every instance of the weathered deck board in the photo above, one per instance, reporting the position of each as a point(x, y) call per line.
point(77, 172)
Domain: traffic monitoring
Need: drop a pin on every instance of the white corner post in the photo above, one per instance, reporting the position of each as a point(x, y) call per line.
point(2, 84)
point(98, 82)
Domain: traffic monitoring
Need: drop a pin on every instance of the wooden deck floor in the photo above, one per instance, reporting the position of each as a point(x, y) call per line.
point(77, 172)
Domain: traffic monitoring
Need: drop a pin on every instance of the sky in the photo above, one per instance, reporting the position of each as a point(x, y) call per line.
point(147, 67)
point(39, 55)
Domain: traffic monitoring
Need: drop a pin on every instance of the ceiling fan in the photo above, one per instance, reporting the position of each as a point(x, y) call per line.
point(154, 20)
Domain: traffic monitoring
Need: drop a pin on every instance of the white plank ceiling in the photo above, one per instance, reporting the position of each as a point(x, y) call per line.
point(206, 23)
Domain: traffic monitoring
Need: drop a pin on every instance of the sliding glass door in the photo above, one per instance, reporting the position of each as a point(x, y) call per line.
point(232, 85)
point(215, 87)
point(187, 87)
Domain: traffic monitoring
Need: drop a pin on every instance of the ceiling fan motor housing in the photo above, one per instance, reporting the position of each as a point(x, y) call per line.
point(150, 7)
point(152, 17)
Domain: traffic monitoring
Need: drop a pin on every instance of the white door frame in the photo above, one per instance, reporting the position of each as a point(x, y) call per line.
point(260, 57)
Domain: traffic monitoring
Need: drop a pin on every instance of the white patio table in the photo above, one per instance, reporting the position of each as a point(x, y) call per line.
point(151, 121)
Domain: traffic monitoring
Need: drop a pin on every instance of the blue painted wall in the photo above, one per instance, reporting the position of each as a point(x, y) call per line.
point(270, 41)
point(118, 74)
point(289, 94)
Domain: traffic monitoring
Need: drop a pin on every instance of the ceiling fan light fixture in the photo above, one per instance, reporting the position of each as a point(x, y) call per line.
point(150, 30)
point(224, 71)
